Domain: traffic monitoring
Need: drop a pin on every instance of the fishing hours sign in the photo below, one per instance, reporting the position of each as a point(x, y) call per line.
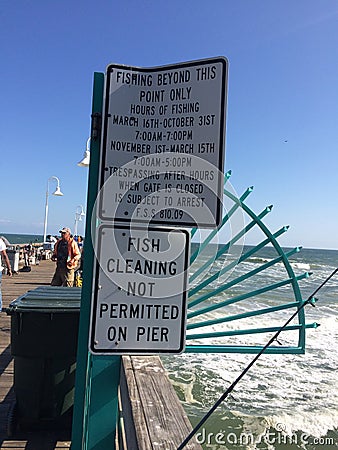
point(162, 151)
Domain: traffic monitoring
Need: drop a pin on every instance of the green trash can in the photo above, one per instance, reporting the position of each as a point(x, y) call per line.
point(13, 252)
point(44, 333)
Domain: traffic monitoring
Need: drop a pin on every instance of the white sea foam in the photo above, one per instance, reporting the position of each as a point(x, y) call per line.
point(303, 266)
point(298, 392)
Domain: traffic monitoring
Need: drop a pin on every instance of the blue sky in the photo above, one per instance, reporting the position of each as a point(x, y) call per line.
point(282, 132)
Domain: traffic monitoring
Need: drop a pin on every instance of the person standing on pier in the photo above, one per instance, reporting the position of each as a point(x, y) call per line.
point(67, 255)
point(4, 257)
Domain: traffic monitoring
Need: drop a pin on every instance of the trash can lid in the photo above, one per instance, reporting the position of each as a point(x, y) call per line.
point(13, 249)
point(48, 299)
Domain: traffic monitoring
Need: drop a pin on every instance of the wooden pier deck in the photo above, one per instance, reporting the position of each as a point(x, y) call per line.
point(160, 420)
point(13, 287)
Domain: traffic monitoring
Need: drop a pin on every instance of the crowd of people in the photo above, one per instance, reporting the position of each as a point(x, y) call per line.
point(67, 253)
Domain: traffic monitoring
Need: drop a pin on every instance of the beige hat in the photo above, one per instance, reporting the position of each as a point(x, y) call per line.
point(65, 230)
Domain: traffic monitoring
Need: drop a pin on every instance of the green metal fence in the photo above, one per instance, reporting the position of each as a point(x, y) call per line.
point(233, 286)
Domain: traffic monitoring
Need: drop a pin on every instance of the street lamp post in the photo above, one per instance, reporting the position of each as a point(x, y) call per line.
point(58, 193)
point(79, 213)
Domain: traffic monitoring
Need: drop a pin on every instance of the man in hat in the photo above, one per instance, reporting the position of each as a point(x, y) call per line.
point(67, 255)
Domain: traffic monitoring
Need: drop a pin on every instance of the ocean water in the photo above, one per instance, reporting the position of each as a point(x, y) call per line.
point(16, 239)
point(285, 401)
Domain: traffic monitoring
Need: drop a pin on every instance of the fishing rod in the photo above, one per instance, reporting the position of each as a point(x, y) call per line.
point(311, 300)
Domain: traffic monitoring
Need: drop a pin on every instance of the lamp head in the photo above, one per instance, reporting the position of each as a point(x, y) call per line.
point(86, 159)
point(58, 192)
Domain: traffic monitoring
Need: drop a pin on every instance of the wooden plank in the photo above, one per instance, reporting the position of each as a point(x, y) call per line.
point(13, 445)
point(159, 418)
point(35, 443)
point(131, 411)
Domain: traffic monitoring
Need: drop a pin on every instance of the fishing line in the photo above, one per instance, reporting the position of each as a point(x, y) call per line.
point(311, 300)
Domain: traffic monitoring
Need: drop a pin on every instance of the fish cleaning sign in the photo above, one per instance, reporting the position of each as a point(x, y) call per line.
point(139, 303)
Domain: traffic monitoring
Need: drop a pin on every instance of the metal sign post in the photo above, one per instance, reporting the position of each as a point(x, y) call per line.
point(95, 408)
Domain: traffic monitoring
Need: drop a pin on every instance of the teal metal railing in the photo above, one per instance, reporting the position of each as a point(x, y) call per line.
point(218, 297)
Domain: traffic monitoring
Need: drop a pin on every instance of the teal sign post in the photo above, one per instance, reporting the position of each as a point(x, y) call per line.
point(95, 408)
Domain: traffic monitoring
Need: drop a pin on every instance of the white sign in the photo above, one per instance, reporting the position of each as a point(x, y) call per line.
point(139, 303)
point(162, 152)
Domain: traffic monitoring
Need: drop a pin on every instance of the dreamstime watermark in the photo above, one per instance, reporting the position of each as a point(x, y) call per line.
point(269, 437)
point(151, 188)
